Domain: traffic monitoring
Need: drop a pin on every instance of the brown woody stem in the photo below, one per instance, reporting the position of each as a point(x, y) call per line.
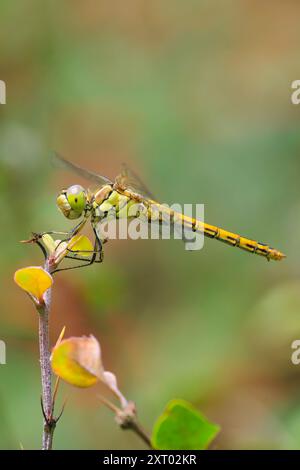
point(46, 374)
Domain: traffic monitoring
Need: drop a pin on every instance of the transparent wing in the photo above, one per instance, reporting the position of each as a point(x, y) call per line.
point(61, 162)
point(132, 181)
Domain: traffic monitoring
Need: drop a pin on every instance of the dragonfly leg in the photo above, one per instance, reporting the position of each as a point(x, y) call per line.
point(52, 232)
point(81, 251)
point(93, 259)
point(99, 243)
point(69, 234)
point(99, 250)
point(77, 258)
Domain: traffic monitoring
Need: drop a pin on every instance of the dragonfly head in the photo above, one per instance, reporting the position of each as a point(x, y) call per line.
point(72, 201)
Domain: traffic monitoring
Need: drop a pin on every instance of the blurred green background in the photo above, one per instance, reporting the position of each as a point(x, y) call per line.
point(195, 96)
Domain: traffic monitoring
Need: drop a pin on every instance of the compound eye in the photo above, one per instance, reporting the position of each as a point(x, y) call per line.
point(76, 197)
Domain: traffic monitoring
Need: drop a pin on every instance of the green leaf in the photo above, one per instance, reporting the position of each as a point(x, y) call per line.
point(182, 427)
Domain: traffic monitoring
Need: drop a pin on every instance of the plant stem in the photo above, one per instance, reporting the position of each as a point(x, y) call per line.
point(46, 374)
point(140, 431)
point(126, 419)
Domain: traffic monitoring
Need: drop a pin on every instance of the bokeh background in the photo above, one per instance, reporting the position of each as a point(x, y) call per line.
point(195, 96)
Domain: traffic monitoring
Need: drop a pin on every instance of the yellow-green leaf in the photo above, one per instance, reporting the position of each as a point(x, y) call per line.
point(182, 427)
point(34, 280)
point(81, 245)
point(49, 243)
point(78, 361)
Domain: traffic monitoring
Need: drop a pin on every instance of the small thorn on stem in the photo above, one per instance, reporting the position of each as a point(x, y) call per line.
point(61, 413)
point(43, 410)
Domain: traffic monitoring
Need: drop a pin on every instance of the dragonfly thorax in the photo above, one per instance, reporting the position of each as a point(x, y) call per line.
point(72, 201)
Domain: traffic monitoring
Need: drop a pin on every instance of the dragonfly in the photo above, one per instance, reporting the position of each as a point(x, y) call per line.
point(114, 199)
